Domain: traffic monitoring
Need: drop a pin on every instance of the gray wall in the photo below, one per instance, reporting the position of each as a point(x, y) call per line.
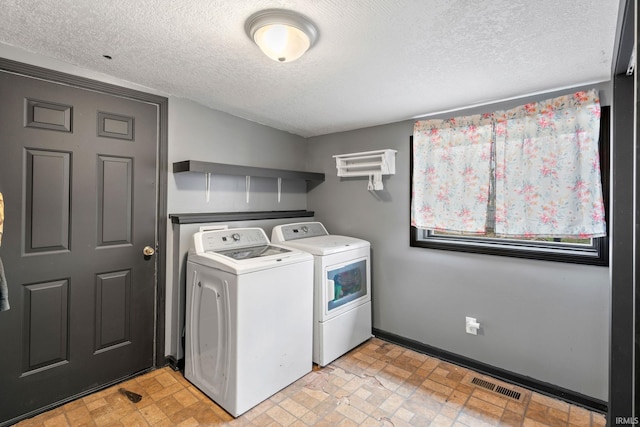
point(199, 133)
point(545, 320)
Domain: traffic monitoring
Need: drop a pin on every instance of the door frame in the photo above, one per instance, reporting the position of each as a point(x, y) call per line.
point(161, 172)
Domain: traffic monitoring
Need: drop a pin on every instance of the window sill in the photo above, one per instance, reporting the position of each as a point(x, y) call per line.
point(596, 255)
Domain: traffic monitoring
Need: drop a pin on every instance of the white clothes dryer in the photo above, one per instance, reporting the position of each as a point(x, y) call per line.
point(342, 287)
point(249, 317)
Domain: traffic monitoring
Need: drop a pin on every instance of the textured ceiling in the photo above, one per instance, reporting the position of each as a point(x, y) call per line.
point(375, 62)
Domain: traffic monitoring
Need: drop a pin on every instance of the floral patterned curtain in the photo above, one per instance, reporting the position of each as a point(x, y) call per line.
point(451, 174)
point(548, 170)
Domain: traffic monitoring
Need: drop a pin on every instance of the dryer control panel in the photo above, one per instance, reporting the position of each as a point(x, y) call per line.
point(301, 230)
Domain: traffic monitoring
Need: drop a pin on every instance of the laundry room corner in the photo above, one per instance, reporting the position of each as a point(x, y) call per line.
point(531, 310)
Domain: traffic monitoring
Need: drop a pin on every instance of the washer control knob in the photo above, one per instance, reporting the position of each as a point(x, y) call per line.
point(305, 229)
point(235, 236)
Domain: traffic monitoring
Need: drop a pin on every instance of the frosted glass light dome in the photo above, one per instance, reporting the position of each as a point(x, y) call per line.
point(282, 35)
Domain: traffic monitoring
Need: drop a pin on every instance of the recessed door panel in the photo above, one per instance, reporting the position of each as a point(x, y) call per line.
point(46, 325)
point(113, 305)
point(115, 200)
point(48, 115)
point(115, 126)
point(48, 184)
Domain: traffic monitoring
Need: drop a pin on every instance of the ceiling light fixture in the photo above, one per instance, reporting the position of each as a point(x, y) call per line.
point(282, 35)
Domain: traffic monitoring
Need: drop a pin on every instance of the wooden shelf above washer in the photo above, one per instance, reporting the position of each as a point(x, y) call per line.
point(226, 169)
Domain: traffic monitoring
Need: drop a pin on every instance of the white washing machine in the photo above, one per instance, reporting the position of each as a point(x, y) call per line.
point(342, 287)
point(249, 307)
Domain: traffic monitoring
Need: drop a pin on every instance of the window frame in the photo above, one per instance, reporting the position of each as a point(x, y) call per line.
point(596, 254)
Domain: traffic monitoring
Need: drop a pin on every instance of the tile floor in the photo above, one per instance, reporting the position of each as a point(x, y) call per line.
point(377, 384)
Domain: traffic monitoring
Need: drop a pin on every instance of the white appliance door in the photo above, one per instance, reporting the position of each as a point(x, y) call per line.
point(345, 285)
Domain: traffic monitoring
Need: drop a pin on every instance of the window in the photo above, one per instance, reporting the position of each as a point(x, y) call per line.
point(592, 251)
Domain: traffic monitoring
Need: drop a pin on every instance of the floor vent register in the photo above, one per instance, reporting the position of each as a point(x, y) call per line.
point(494, 386)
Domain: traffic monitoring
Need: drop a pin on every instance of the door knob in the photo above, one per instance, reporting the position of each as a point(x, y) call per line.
point(148, 251)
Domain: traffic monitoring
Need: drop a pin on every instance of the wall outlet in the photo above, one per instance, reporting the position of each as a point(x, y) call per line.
point(471, 325)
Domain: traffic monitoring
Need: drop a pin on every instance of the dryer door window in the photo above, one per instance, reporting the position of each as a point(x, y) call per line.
point(345, 284)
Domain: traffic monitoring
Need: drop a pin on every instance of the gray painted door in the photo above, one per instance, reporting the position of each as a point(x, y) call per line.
point(78, 171)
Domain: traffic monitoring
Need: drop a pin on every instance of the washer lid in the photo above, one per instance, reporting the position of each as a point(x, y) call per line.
point(242, 261)
point(327, 245)
point(241, 250)
point(252, 252)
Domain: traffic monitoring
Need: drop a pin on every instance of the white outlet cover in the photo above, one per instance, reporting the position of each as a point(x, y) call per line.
point(471, 326)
